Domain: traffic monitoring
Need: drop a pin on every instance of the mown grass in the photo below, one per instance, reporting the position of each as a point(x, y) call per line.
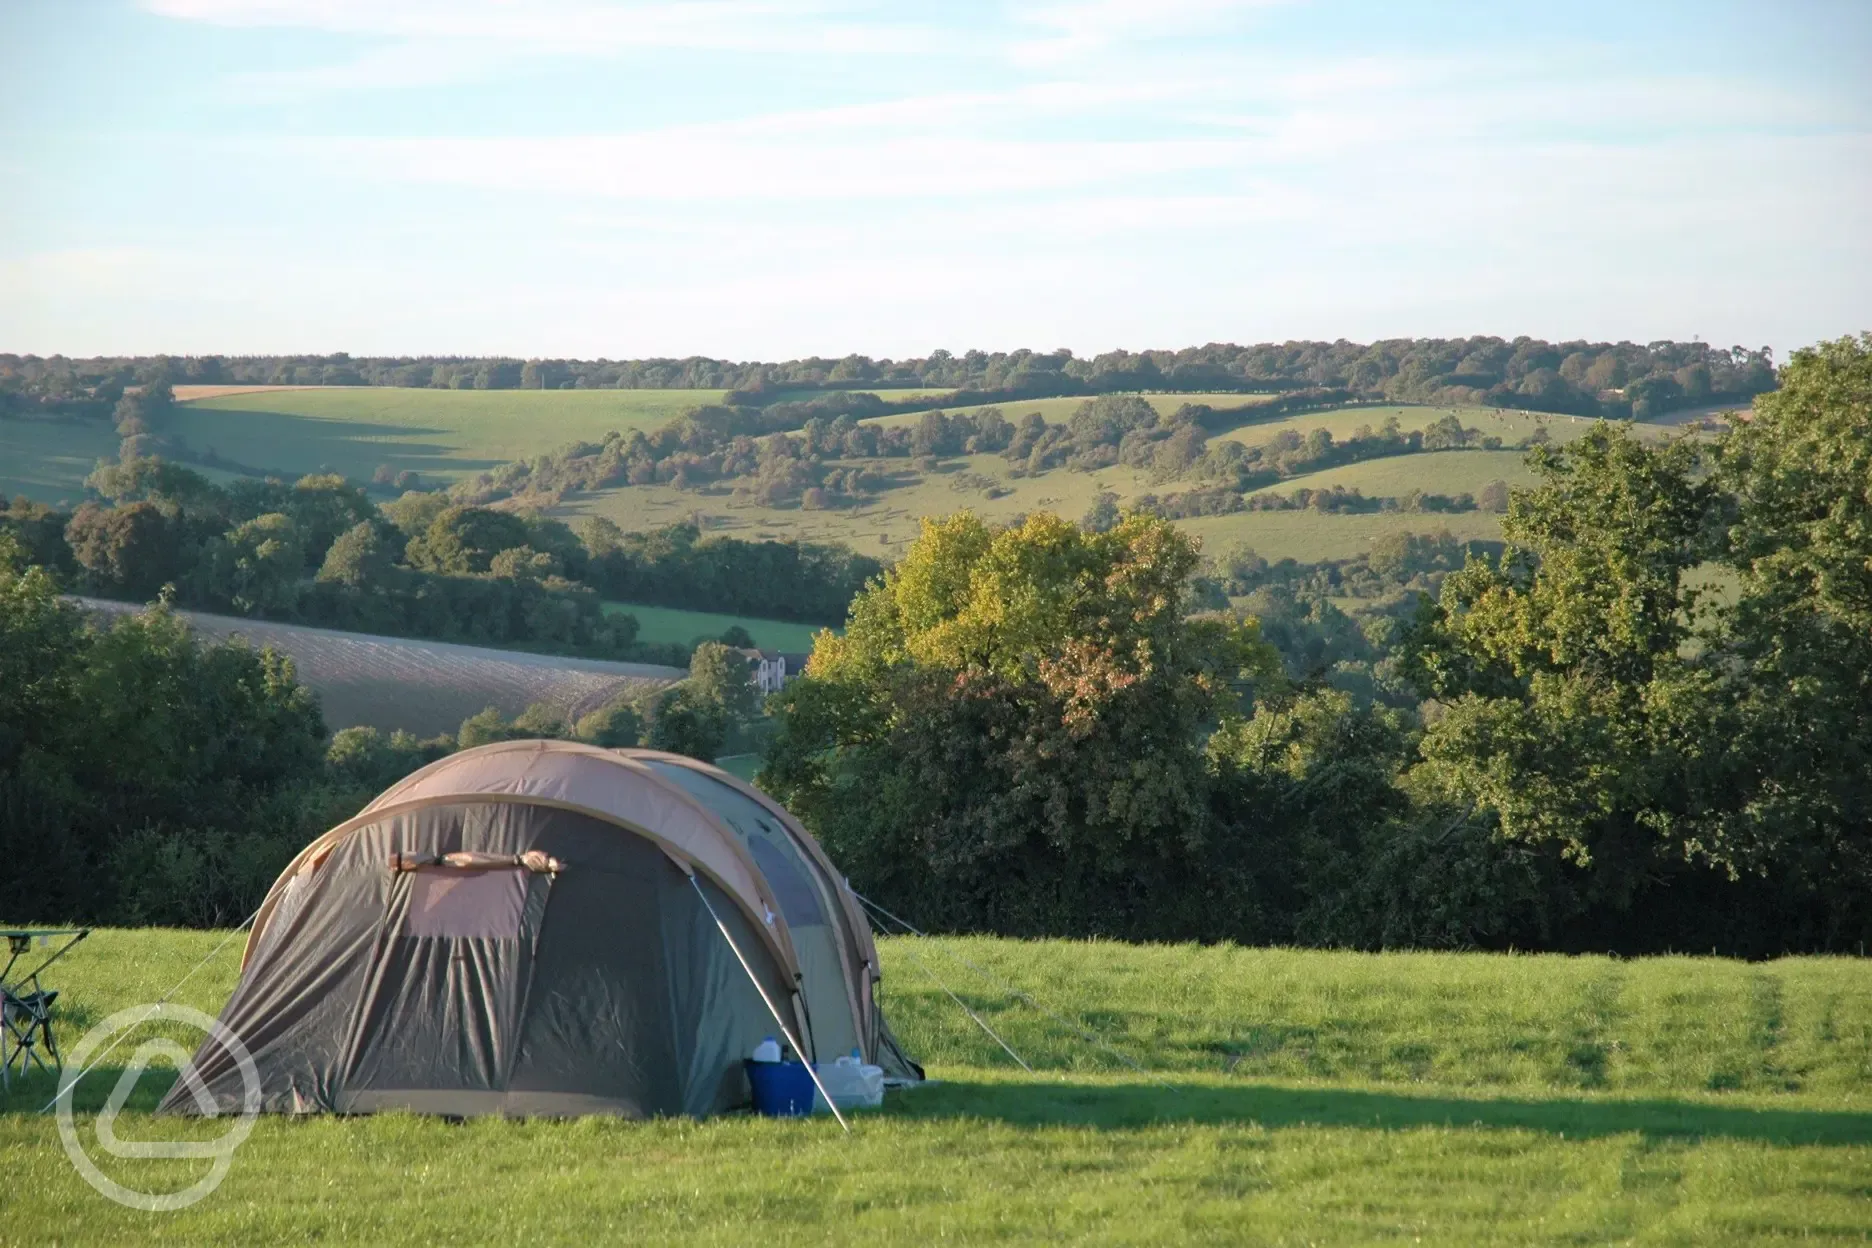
point(441, 434)
point(1304, 1097)
point(675, 624)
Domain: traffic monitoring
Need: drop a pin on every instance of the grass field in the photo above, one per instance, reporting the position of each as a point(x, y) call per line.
point(1291, 1097)
point(48, 460)
point(1438, 472)
point(673, 624)
point(886, 526)
point(442, 434)
point(425, 687)
point(1056, 411)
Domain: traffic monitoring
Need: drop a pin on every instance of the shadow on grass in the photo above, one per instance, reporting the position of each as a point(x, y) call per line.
point(1129, 1105)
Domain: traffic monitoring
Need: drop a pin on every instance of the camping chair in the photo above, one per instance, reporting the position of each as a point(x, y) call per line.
point(26, 1010)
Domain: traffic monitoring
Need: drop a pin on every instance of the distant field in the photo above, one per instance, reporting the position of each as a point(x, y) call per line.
point(48, 460)
point(1058, 410)
point(1309, 537)
point(673, 624)
point(425, 687)
point(1285, 1097)
point(185, 394)
point(441, 434)
point(886, 526)
point(1435, 472)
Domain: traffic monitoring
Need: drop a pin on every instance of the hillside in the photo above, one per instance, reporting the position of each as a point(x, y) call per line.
point(439, 434)
point(424, 687)
point(446, 436)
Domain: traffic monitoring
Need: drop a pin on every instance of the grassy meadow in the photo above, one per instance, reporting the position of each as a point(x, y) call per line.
point(673, 624)
point(1056, 411)
point(1287, 1097)
point(48, 460)
point(441, 434)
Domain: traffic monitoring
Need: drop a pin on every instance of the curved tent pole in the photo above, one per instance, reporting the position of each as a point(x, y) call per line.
point(767, 1000)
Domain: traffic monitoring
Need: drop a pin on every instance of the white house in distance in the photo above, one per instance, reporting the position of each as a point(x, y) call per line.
point(772, 669)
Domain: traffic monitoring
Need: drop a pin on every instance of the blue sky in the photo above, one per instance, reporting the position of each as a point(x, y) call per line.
point(772, 178)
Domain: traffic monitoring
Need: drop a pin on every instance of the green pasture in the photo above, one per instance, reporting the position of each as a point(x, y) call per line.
point(49, 459)
point(674, 624)
point(1056, 411)
point(1433, 472)
point(1308, 537)
point(442, 434)
point(1284, 1097)
point(887, 525)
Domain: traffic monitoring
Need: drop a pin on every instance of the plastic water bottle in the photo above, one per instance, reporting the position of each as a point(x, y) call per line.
point(768, 1050)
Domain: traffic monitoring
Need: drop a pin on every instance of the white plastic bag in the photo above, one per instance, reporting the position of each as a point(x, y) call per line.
point(851, 1083)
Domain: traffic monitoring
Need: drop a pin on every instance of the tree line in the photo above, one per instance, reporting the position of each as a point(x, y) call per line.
point(149, 777)
point(1623, 379)
point(321, 551)
point(1575, 744)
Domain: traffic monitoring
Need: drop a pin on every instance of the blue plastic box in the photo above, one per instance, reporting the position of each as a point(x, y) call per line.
point(781, 1089)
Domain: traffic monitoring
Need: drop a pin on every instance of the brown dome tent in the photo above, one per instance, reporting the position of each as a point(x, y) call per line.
point(544, 927)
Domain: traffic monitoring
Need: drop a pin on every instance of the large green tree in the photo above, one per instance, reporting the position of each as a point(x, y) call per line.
point(1571, 708)
point(1798, 641)
point(1009, 733)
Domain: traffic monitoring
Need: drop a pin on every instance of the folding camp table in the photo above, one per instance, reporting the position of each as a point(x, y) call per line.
point(26, 1006)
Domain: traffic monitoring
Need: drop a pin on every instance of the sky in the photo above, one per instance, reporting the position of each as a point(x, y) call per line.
point(768, 179)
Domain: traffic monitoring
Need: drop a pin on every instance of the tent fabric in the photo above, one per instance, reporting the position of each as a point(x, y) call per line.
point(514, 930)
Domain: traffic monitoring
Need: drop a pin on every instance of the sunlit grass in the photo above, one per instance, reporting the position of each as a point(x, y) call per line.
point(1311, 1097)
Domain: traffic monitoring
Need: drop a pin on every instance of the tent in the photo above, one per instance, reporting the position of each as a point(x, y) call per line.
point(547, 928)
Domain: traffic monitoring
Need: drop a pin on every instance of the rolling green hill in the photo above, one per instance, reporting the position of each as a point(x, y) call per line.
point(1444, 472)
point(446, 434)
point(48, 460)
point(441, 434)
point(1057, 410)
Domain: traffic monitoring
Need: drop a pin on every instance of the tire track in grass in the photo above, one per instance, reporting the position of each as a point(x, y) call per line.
point(1594, 1042)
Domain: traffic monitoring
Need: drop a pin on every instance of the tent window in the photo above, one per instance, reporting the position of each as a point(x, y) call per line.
point(457, 904)
point(791, 889)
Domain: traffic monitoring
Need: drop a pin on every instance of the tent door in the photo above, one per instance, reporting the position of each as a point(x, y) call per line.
point(442, 1007)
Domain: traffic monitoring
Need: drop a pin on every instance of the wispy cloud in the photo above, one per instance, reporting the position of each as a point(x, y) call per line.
point(428, 42)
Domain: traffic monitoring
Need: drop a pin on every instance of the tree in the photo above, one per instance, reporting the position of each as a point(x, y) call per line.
point(1571, 712)
point(720, 678)
point(1798, 642)
point(360, 559)
point(463, 541)
point(1493, 497)
point(256, 566)
point(683, 723)
point(128, 549)
point(614, 726)
point(1008, 733)
point(1103, 515)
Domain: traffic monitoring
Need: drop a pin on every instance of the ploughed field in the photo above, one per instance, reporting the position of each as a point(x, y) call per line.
point(424, 687)
point(1286, 1097)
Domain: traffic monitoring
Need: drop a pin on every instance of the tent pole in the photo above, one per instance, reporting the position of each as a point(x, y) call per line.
point(66, 1086)
point(768, 1002)
point(1020, 994)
